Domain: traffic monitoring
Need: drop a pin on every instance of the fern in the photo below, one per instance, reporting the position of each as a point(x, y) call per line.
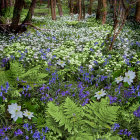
point(101, 113)
point(80, 123)
point(68, 115)
point(33, 75)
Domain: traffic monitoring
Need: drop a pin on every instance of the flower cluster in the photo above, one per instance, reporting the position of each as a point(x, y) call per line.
point(129, 77)
point(116, 126)
point(124, 132)
point(15, 112)
point(137, 112)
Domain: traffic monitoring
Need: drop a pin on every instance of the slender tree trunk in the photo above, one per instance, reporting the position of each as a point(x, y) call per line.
point(28, 18)
point(98, 13)
point(40, 2)
point(71, 6)
point(16, 14)
point(80, 10)
point(83, 8)
point(5, 3)
point(48, 4)
point(1, 7)
point(53, 12)
point(104, 12)
point(59, 5)
point(137, 14)
point(90, 7)
point(75, 6)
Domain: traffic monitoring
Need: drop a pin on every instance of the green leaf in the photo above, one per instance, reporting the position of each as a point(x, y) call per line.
point(19, 121)
point(126, 84)
point(13, 101)
point(93, 98)
point(131, 68)
point(1, 99)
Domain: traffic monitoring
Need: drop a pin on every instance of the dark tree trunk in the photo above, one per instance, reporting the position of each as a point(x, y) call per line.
point(16, 15)
point(48, 4)
point(80, 10)
point(28, 18)
point(137, 14)
point(53, 12)
point(90, 7)
point(2, 7)
point(83, 8)
point(98, 13)
point(71, 6)
point(59, 5)
point(104, 12)
point(75, 6)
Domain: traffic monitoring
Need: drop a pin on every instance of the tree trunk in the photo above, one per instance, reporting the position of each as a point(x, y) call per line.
point(98, 13)
point(71, 6)
point(28, 18)
point(53, 12)
point(80, 10)
point(83, 8)
point(48, 4)
point(59, 5)
point(90, 7)
point(104, 12)
point(16, 14)
point(75, 6)
point(1, 6)
point(5, 3)
point(40, 2)
point(137, 14)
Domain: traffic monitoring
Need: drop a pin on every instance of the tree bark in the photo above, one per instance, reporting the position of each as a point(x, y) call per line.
point(104, 12)
point(59, 5)
point(75, 6)
point(71, 6)
point(53, 12)
point(98, 12)
point(16, 14)
point(83, 8)
point(28, 18)
point(137, 14)
point(80, 10)
point(90, 7)
point(48, 4)
point(40, 2)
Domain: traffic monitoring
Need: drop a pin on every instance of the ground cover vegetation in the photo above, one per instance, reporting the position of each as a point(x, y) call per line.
point(75, 76)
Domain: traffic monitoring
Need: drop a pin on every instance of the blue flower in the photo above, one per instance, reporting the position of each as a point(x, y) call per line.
point(91, 49)
point(36, 135)
point(137, 112)
point(112, 99)
point(116, 126)
point(1, 132)
point(96, 43)
point(134, 138)
point(18, 132)
point(26, 137)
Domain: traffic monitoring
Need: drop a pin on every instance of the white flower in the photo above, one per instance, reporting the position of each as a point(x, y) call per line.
point(100, 94)
point(61, 63)
point(28, 114)
point(15, 112)
point(90, 66)
point(129, 76)
point(118, 79)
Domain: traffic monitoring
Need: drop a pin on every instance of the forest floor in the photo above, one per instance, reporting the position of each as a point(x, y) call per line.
point(71, 84)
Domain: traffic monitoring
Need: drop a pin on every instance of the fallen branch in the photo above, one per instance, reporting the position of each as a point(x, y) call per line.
point(35, 27)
